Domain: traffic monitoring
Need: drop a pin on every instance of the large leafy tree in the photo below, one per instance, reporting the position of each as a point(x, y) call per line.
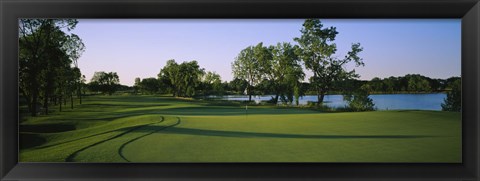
point(170, 73)
point(212, 84)
point(247, 66)
point(284, 71)
point(317, 51)
point(183, 79)
point(104, 82)
point(237, 85)
point(149, 85)
point(191, 75)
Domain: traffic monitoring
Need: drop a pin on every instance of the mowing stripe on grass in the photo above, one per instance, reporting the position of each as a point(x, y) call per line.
point(74, 154)
point(120, 150)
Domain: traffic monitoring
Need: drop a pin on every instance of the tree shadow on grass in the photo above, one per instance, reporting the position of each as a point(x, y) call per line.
point(231, 111)
point(241, 134)
point(72, 156)
point(150, 131)
point(125, 129)
point(47, 128)
point(29, 140)
point(101, 116)
point(125, 105)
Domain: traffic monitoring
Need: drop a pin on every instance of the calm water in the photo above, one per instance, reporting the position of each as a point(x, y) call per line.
point(381, 101)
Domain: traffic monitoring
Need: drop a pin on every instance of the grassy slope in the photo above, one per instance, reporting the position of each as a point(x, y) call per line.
point(151, 129)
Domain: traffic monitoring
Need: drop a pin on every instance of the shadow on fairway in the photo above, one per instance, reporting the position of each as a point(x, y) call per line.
point(71, 157)
point(240, 134)
point(123, 105)
point(150, 131)
point(29, 140)
point(231, 111)
point(47, 128)
point(93, 135)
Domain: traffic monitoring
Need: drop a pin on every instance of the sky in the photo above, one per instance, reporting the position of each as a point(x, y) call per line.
point(141, 47)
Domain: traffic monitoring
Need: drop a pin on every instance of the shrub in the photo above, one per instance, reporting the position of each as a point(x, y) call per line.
point(453, 101)
point(359, 100)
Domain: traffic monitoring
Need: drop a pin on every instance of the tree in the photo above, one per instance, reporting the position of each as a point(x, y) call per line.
point(81, 89)
point(238, 85)
point(212, 84)
point(453, 101)
point(447, 84)
point(297, 94)
point(106, 83)
point(389, 84)
point(45, 48)
point(73, 82)
point(376, 84)
point(247, 66)
point(170, 73)
point(283, 71)
point(136, 86)
point(183, 79)
point(191, 74)
point(149, 85)
point(317, 50)
point(418, 83)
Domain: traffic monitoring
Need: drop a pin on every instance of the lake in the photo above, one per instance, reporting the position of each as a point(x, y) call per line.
point(381, 101)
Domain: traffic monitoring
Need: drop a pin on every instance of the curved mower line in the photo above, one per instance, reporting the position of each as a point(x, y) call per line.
point(71, 157)
point(120, 149)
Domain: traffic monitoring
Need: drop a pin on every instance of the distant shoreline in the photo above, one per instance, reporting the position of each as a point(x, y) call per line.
point(338, 93)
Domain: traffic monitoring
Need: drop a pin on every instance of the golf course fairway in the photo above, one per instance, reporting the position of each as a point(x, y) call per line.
point(137, 128)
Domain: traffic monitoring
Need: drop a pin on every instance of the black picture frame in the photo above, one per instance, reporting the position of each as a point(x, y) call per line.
point(11, 11)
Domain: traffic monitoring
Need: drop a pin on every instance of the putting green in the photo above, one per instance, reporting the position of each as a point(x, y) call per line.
point(164, 129)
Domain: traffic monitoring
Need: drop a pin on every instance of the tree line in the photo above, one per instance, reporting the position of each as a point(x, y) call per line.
point(49, 72)
point(279, 70)
point(411, 83)
point(48, 67)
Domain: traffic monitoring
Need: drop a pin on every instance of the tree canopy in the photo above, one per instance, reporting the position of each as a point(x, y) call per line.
point(182, 79)
point(48, 55)
point(104, 82)
point(317, 52)
point(247, 66)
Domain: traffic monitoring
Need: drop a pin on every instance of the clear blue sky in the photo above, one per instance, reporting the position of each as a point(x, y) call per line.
point(140, 48)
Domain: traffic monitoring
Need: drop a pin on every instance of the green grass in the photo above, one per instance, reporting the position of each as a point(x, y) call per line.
point(165, 129)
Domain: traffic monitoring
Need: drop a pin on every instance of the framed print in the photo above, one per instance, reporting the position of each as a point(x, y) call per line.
point(242, 90)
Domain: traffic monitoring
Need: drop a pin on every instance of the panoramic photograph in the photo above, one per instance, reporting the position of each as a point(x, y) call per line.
point(240, 90)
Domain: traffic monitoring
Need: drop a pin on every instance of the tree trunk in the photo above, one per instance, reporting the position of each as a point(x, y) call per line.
point(60, 103)
point(250, 91)
point(34, 103)
point(71, 100)
point(80, 94)
point(276, 99)
point(320, 99)
point(321, 96)
point(45, 103)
